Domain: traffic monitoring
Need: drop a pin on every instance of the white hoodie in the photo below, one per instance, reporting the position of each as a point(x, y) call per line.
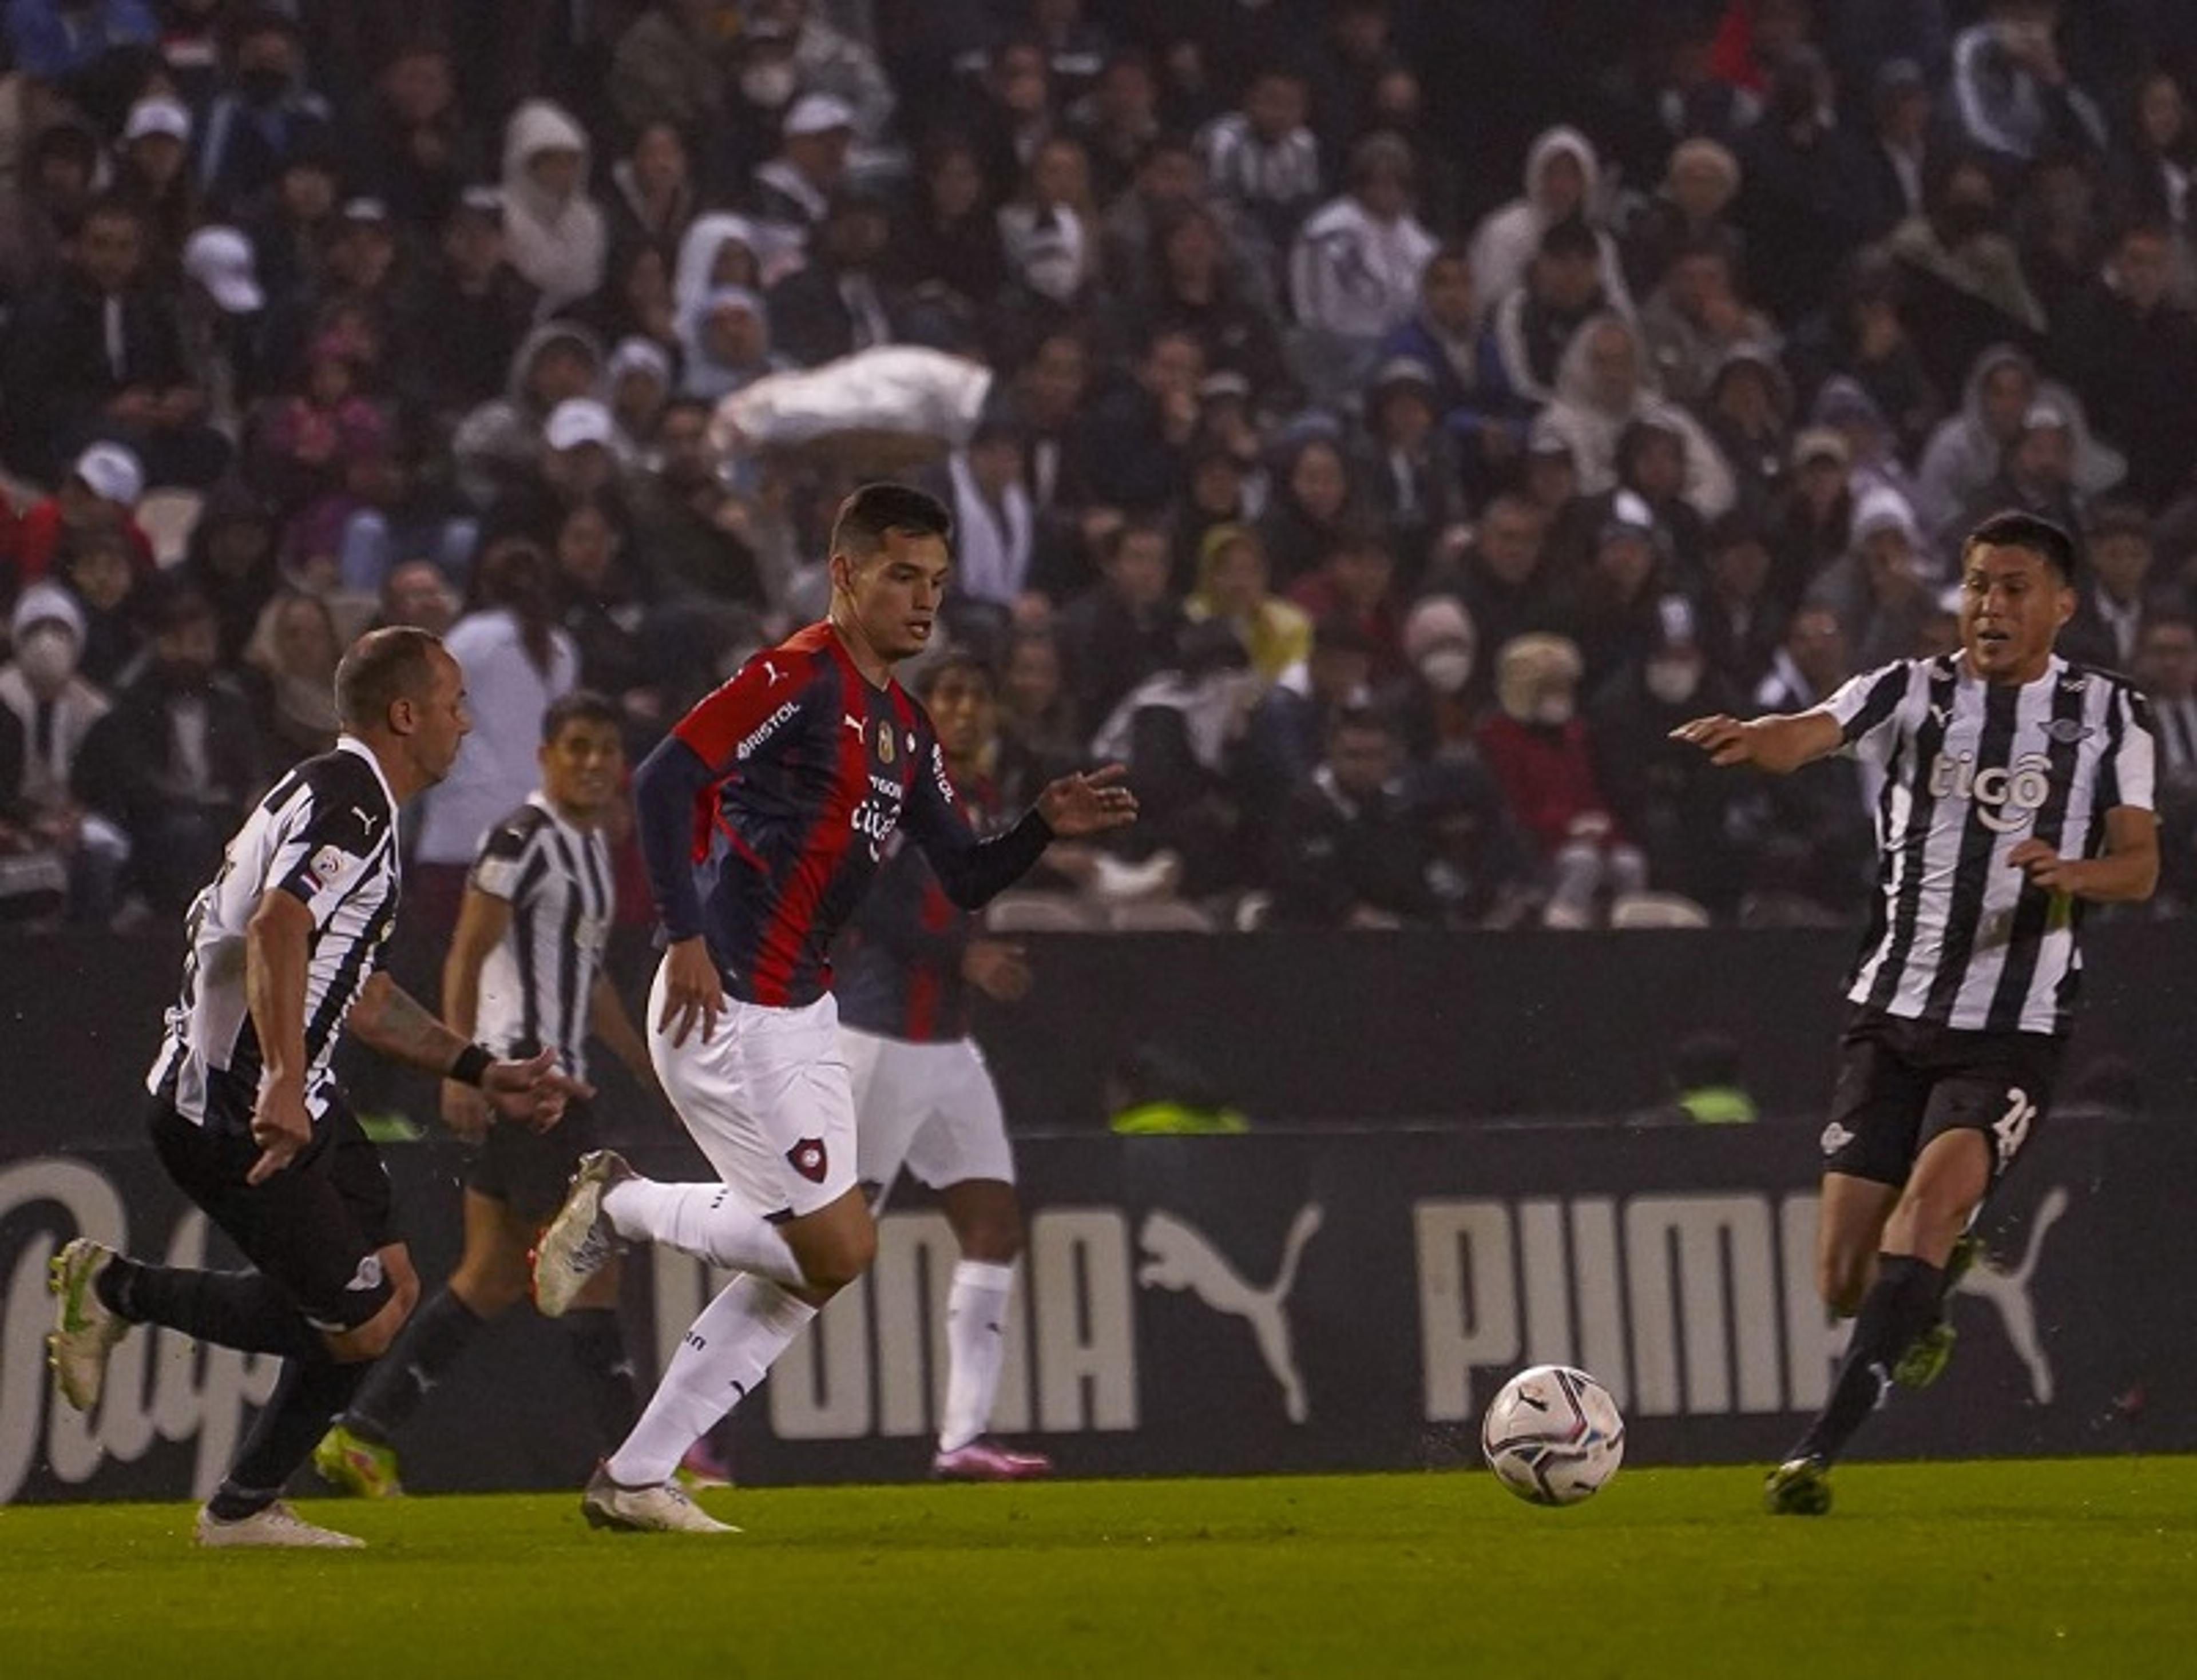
point(560, 245)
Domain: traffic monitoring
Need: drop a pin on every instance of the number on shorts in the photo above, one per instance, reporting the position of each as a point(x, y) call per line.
point(2011, 1128)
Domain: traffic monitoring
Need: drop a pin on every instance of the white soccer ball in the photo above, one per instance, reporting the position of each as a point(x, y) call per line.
point(1553, 1435)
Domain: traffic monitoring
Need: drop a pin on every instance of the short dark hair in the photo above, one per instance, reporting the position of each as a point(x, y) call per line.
point(965, 660)
point(2011, 528)
point(1570, 237)
point(581, 705)
point(865, 518)
point(381, 668)
point(2117, 518)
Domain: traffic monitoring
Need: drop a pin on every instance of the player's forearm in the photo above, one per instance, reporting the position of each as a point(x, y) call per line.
point(665, 790)
point(276, 955)
point(461, 973)
point(975, 875)
point(608, 1021)
point(2117, 878)
point(1783, 743)
point(391, 1022)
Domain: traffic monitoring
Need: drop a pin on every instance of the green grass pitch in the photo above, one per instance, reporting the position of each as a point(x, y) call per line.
point(2074, 1568)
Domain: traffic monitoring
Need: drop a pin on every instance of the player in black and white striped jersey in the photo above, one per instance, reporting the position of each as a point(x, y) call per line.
point(2017, 788)
point(247, 1116)
point(525, 973)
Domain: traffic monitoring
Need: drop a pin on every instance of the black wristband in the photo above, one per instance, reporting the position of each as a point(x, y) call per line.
point(472, 1063)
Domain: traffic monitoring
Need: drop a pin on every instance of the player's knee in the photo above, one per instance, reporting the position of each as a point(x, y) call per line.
point(829, 1267)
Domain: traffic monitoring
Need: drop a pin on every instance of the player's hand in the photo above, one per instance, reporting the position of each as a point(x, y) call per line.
point(692, 991)
point(2046, 868)
point(996, 969)
point(534, 1092)
point(465, 1111)
point(282, 1125)
point(1727, 740)
point(1088, 804)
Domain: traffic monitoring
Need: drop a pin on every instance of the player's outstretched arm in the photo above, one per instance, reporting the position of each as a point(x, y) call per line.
point(483, 921)
point(388, 1020)
point(1779, 743)
point(2127, 873)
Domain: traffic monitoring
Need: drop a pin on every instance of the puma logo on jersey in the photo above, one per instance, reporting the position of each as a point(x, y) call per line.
point(366, 818)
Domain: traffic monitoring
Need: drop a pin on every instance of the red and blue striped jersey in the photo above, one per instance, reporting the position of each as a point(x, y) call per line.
point(766, 812)
point(899, 963)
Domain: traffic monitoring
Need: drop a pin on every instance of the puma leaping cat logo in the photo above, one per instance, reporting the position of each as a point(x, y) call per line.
point(2007, 1288)
point(1177, 1256)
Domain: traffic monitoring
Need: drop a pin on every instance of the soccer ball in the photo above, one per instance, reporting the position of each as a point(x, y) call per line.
point(1553, 1435)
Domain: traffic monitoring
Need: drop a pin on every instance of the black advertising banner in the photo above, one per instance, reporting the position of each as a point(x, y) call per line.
point(1286, 1300)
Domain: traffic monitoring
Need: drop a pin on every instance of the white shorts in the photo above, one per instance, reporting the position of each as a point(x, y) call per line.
point(766, 1099)
point(929, 1107)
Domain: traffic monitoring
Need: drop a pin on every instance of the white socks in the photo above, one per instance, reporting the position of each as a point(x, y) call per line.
point(976, 1343)
point(719, 1361)
point(704, 1220)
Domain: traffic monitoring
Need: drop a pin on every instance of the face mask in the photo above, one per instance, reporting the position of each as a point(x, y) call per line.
point(262, 86)
point(1447, 670)
point(769, 85)
point(1673, 681)
point(47, 658)
point(1555, 710)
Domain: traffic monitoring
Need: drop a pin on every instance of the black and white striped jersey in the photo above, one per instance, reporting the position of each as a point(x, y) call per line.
point(1971, 769)
point(536, 983)
point(325, 834)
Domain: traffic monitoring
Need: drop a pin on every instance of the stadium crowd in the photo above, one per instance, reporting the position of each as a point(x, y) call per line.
point(1402, 412)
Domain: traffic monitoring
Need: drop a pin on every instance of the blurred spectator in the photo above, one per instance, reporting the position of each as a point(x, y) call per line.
point(1533, 324)
point(1563, 183)
point(1859, 343)
point(2166, 665)
point(263, 114)
point(224, 315)
point(1611, 612)
point(1602, 387)
point(290, 226)
point(174, 764)
point(1815, 657)
point(555, 234)
point(1690, 209)
point(2011, 89)
point(517, 659)
point(44, 205)
point(2036, 473)
point(837, 302)
point(2149, 173)
point(725, 345)
point(1192, 288)
point(1037, 713)
point(499, 445)
point(1346, 853)
point(1355, 585)
point(231, 561)
point(1233, 592)
point(1900, 107)
point(1263, 158)
point(99, 352)
point(1311, 507)
point(1963, 290)
point(639, 379)
point(294, 650)
point(1748, 412)
point(1355, 269)
point(1505, 581)
point(652, 192)
point(1741, 625)
point(1122, 628)
point(831, 62)
point(1804, 202)
point(98, 567)
point(694, 533)
point(2132, 349)
point(1118, 121)
point(636, 299)
point(1138, 433)
point(1433, 711)
point(1882, 588)
point(53, 710)
point(603, 605)
point(1049, 232)
point(412, 147)
point(669, 67)
point(55, 39)
point(416, 593)
point(945, 250)
point(1410, 468)
point(1288, 730)
point(1695, 318)
point(1536, 747)
point(2111, 594)
point(150, 171)
point(1810, 521)
point(1965, 451)
point(794, 190)
point(102, 491)
point(1674, 803)
point(994, 533)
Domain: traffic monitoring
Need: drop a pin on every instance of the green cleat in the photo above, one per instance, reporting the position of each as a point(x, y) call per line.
point(1798, 1487)
point(1927, 1357)
point(351, 1463)
point(86, 1329)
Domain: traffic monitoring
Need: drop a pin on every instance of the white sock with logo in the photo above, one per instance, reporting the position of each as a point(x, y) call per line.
point(704, 1220)
point(975, 1345)
point(718, 1362)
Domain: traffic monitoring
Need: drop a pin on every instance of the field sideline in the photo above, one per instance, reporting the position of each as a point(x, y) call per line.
point(2066, 1568)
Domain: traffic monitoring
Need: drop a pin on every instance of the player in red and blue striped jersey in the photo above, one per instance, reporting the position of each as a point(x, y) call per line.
point(764, 817)
point(923, 1097)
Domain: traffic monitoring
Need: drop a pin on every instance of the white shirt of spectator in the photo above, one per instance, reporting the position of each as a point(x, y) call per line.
point(495, 768)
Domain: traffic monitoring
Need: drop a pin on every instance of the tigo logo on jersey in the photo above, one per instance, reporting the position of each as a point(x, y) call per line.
point(2011, 796)
point(806, 1157)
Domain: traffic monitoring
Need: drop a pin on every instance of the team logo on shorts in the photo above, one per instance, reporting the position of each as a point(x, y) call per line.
point(1836, 1138)
point(808, 1158)
point(884, 743)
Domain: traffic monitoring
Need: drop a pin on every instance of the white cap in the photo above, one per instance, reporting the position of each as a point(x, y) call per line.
point(635, 354)
point(44, 603)
point(220, 259)
point(113, 473)
point(817, 113)
point(577, 420)
point(157, 114)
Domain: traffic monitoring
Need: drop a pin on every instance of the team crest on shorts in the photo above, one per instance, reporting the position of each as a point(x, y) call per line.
point(808, 1158)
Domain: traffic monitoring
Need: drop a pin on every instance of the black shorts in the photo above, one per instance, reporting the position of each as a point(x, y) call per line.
point(529, 1172)
point(1902, 1083)
point(314, 1227)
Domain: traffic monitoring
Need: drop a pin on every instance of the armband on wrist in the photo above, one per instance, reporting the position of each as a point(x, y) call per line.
point(472, 1063)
